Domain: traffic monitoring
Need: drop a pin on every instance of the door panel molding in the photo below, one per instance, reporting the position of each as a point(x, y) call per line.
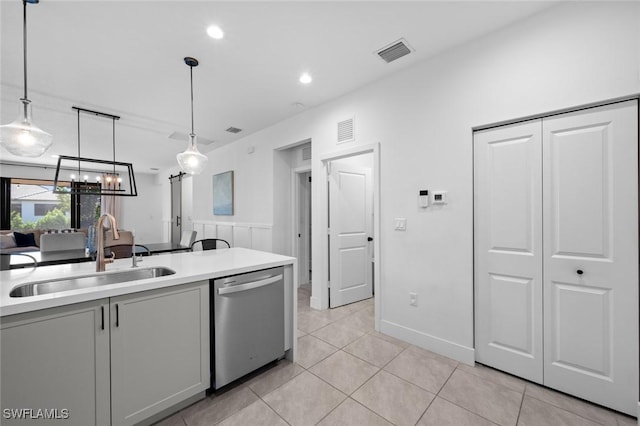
point(588, 270)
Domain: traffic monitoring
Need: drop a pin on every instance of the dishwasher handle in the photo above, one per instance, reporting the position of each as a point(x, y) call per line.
point(249, 286)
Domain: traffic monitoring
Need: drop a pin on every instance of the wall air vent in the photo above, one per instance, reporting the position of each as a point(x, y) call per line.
point(306, 153)
point(395, 50)
point(233, 130)
point(345, 131)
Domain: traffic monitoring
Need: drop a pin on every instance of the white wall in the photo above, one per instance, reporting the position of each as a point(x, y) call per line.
point(572, 54)
point(144, 212)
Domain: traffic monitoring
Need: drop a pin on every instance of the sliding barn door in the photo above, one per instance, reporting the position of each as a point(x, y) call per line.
point(508, 249)
point(591, 254)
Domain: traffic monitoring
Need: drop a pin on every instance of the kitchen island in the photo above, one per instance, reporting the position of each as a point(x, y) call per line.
point(122, 353)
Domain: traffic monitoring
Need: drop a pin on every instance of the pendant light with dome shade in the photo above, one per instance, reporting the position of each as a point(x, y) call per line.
point(191, 160)
point(22, 137)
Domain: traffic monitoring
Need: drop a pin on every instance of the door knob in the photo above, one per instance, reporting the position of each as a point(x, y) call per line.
point(579, 272)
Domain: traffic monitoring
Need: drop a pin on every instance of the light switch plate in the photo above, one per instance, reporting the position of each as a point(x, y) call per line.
point(400, 223)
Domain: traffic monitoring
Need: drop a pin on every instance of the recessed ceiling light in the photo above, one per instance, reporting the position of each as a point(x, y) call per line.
point(305, 78)
point(215, 32)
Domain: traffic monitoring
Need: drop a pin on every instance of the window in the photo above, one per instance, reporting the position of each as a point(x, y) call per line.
point(31, 204)
point(40, 209)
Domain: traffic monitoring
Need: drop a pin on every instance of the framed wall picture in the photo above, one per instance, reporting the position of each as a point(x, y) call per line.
point(223, 194)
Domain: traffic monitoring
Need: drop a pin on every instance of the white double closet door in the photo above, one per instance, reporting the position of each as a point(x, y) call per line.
point(556, 252)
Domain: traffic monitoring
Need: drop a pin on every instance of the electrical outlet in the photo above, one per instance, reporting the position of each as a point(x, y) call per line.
point(413, 299)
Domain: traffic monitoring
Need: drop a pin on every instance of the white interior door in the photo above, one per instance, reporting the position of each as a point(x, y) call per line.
point(508, 249)
point(591, 254)
point(304, 227)
point(350, 226)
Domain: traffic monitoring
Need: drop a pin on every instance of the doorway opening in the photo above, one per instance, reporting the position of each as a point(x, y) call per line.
point(351, 268)
point(301, 180)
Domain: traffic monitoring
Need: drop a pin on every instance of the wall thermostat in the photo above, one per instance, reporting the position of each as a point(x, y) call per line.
point(439, 197)
point(423, 198)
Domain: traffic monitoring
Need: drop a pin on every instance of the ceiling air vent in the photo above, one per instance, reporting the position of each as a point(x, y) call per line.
point(395, 50)
point(306, 153)
point(233, 130)
point(345, 131)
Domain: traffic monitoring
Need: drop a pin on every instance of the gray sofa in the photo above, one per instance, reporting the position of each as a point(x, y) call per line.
point(53, 240)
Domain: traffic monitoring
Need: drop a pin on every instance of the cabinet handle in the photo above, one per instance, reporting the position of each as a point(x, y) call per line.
point(117, 316)
point(102, 312)
point(579, 272)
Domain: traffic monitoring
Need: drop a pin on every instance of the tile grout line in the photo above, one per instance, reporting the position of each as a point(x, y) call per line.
point(524, 392)
point(457, 405)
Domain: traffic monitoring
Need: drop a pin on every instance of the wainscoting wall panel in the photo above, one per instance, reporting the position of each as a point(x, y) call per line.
point(255, 236)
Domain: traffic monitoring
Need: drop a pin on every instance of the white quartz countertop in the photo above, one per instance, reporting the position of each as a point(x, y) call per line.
point(189, 267)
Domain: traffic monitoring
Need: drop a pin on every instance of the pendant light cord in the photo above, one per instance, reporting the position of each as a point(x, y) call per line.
point(191, 72)
point(24, 44)
point(114, 144)
point(79, 171)
point(25, 103)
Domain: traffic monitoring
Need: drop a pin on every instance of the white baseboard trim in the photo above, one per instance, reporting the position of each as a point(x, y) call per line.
point(638, 415)
point(315, 303)
point(435, 344)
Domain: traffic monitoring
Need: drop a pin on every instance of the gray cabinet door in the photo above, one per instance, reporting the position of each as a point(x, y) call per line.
point(56, 359)
point(159, 350)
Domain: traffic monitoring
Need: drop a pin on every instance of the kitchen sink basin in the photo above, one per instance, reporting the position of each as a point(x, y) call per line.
point(87, 281)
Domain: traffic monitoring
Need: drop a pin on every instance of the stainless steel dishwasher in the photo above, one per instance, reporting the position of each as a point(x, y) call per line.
point(248, 323)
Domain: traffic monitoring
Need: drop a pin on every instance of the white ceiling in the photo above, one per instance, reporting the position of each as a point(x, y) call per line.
point(126, 58)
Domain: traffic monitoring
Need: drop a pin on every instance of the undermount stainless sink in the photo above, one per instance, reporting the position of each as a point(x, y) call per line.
point(87, 281)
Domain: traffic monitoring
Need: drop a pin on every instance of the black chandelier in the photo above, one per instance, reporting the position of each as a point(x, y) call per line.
point(95, 176)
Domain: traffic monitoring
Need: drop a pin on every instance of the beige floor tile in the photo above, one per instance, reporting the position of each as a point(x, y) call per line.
point(175, 420)
point(624, 420)
point(257, 413)
point(390, 339)
point(351, 413)
point(441, 358)
point(300, 333)
point(311, 321)
point(336, 314)
point(577, 406)
point(215, 409)
point(444, 413)
point(312, 350)
point(419, 368)
point(398, 401)
point(338, 335)
point(305, 400)
point(274, 378)
point(496, 376)
point(373, 350)
point(344, 371)
point(363, 304)
point(303, 307)
point(360, 320)
point(537, 413)
point(487, 399)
